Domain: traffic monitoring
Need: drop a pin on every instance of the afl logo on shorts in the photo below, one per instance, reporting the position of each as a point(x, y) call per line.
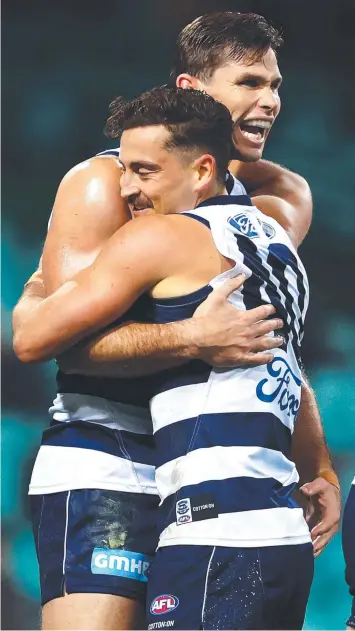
point(164, 604)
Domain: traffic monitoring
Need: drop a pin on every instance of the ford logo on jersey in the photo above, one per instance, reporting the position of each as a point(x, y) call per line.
point(284, 378)
point(244, 225)
point(164, 604)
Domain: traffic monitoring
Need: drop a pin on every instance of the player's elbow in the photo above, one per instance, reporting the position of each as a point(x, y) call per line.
point(25, 350)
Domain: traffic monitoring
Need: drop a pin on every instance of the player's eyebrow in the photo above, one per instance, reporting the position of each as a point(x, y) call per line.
point(140, 164)
point(144, 164)
point(253, 76)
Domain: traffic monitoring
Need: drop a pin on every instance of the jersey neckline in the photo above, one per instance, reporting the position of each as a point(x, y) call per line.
point(224, 200)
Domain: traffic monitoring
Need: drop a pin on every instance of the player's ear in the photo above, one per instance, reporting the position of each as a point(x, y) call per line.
point(187, 81)
point(205, 171)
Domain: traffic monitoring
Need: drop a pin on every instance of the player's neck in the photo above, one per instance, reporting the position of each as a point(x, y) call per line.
point(212, 191)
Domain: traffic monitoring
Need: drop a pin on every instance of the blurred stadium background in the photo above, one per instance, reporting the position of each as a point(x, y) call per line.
point(63, 62)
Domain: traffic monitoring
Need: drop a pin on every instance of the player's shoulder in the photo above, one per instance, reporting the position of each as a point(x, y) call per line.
point(91, 190)
point(103, 165)
point(163, 233)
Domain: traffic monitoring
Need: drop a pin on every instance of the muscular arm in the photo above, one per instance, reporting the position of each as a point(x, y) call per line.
point(100, 294)
point(309, 447)
point(313, 461)
point(279, 193)
point(87, 211)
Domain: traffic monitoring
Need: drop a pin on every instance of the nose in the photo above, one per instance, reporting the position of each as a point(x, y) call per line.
point(269, 100)
point(128, 187)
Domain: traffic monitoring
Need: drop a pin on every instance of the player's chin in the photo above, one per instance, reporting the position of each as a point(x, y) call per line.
point(142, 212)
point(247, 151)
point(251, 155)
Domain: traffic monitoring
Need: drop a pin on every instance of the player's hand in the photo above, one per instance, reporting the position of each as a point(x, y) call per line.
point(324, 505)
point(232, 337)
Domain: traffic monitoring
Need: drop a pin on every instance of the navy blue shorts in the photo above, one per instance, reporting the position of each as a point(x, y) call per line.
point(202, 587)
point(94, 541)
point(348, 534)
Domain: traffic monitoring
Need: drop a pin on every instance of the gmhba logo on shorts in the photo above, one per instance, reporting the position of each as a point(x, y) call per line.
point(120, 563)
point(164, 604)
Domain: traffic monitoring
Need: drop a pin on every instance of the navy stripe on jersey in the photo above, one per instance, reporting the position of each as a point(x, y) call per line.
point(232, 495)
point(194, 372)
point(223, 200)
point(229, 183)
point(86, 435)
point(180, 308)
point(278, 270)
point(301, 303)
point(198, 218)
point(109, 152)
point(260, 277)
point(188, 300)
point(245, 429)
point(283, 253)
point(133, 391)
point(279, 257)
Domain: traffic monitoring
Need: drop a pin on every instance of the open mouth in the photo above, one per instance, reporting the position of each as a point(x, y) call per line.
point(139, 209)
point(138, 205)
point(255, 130)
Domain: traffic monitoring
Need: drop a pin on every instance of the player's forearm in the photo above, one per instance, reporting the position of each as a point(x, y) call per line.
point(135, 350)
point(309, 446)
point(33, 295)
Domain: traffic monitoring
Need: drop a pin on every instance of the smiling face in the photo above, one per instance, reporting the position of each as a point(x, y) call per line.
point(155, 180)
point(250, 92)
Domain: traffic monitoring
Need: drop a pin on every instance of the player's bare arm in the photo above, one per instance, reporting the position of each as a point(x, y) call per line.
point(103, 292)
point(311, 454)
point(219, 333)
point(279, 193)
point(88, 210)
point(286, 196)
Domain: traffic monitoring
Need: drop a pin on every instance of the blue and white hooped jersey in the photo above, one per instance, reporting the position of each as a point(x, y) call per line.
point(100, 436)
point(223, 436)
point(101, 430)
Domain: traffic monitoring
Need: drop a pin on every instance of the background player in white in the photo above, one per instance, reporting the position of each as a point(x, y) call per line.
point(171, 136)
point(89, 196)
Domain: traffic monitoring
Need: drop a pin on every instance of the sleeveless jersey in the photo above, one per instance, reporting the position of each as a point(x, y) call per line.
point(101, 432)
point(223, 436)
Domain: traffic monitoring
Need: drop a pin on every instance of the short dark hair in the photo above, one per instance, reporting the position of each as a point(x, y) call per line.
point(194, 119)
point(216, 38)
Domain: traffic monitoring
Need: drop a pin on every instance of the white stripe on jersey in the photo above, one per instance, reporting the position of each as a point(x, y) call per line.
point(166, 406)
point(265, 401)
point(268, 527)
point(68, 468)
point(228, 391)
point(228, 462)
point(83, 407)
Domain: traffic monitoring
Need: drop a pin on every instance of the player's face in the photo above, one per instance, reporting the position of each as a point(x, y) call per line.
point(154, 180)
point(250, 92)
